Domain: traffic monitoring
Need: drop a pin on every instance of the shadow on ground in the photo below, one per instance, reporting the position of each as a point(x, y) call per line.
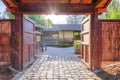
point(110, 70)
point(106, 76)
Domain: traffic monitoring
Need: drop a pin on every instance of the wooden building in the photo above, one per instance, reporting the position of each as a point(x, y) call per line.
point(102, 35)
point(39, 38)
point(64, 32)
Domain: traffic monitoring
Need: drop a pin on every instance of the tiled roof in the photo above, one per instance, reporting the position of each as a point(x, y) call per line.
point(65, 27)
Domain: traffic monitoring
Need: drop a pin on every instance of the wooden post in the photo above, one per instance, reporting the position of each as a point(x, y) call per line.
point(95, 44)
point(19, 39)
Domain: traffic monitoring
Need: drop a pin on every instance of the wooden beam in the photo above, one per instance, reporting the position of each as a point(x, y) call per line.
point(101, 10)
point(96, 42)
point(10, 3)
point(87, 1)
point(98, 2)
point(64, 1)
point(75, 1)
point(102, 3)
point(60, 8)
point(12, 10)
point(19, 41)
point(69, 1)
point(108, 2)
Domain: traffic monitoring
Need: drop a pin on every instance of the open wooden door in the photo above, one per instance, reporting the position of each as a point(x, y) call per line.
point(86, 33)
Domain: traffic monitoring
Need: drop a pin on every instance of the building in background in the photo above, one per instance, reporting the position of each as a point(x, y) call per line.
point(63, 32)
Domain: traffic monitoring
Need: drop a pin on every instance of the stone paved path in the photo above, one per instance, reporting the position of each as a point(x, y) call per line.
point(55, 51)
point(59, 68)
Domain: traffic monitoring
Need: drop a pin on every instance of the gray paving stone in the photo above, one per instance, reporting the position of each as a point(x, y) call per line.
point(58, 68)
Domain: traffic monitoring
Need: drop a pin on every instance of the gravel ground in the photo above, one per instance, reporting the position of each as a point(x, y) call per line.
point(6, 74)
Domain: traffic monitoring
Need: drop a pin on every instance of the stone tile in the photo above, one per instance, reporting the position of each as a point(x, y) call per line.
point(59, 68)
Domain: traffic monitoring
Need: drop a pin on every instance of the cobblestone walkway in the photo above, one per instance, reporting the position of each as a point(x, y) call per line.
point(58, 68)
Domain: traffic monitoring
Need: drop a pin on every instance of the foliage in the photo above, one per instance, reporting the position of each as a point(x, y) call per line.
point(64, 45)
point(74, 19)
point(77, 35)
point(77, 45)
point(11, 16)
point(113, 10)
point(61, 44)
point(39, 19)
point(48, 23)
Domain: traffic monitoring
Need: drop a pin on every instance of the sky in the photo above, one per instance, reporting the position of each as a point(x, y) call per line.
point(57, 19)
point(2, 7)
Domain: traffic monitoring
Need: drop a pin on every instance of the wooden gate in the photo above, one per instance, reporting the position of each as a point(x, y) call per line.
point(28, 42)
point(110, 40)
point(5, 36)
point(86, 32)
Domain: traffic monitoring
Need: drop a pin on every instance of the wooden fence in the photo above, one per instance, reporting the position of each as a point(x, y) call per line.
point(5, 36)
point(110, 40)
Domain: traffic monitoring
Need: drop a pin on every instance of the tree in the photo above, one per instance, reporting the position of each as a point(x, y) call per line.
point(48, 23)
point(113, 11)
point(74, 19)
point(39, 19)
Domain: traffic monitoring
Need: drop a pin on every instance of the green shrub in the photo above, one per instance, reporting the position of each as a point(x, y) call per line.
point(61, 45)
point(64, 45)
point(77, 45)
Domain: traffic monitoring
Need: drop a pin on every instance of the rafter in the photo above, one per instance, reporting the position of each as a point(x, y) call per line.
point(69, 1)
point(101, 10)
point(75, 1)
point(81, 2)
point(102, 3)
point(11, 3)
